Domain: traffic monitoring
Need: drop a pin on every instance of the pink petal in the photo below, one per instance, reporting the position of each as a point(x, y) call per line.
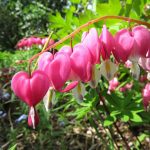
point(107, 42)
point(91, 41)
point(81, 62)
point(142, 36)
point(44, 60)
point(32, 89)
point(69, 87)
point(145, 63)
point(124, 45)
point(59, 70)
point(66, 49)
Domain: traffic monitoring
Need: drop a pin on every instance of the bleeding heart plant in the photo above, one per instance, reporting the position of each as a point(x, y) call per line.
point(84, 63)
point(31, 89)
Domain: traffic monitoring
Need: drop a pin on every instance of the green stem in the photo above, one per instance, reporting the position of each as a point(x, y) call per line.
point(29, 70)
point(93, 124)
point(100, 118)
point(115, 125)
point(44, 47)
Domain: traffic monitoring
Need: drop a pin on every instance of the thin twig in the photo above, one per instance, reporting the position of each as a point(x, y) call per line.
point(9, 117)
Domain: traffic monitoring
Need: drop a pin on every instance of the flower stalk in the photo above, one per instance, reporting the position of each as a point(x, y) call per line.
point(115, 125)
point(71, 35)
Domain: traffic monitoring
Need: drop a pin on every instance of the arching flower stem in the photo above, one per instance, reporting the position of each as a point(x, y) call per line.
point(71, 35)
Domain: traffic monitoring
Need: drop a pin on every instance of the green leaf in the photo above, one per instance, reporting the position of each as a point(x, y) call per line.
point(111, 8)
point(57, 21)
point(13, 147)
point(114, 113)
point(75, 1)
point(80, 112)
point(125, 118)
point(109, 121)
point(136, 117)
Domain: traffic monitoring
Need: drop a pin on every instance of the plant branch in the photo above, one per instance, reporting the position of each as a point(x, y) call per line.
point(71, 35)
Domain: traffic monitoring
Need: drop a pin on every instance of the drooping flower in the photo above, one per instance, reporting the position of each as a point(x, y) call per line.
point(108, 68)
point(80, 58)
point(81, 62)
point(22, 43)
point(107, 43)
point(58, 68)
point(30, 89)
point(27, 43)
point(91, 41)
point(144, 63)
point(132, 43)
point(113, 84)
point(80, 70)
point(44, 40)
point(146, 96)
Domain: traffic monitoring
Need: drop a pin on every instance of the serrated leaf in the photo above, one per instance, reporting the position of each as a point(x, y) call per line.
point(114, 113)
point(109, 121)
point(13, 147)
point(136, 117)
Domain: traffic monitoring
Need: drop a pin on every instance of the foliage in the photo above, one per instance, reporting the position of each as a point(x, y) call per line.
point(9, 59)
point(9, 29)
point(25, 18)
point(74, 17)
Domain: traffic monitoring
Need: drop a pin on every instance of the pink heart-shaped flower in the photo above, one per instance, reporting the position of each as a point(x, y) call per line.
point(125, 45)
point(32, 89)
point(107, 43)
point(132, 43)
point(57, 68)
point(81, 63)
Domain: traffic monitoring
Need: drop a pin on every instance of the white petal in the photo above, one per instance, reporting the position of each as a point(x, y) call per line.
point(32, 114)
point(48, 98)
point(135, 70)
point(79, 92)
point(148, 76)
point(96, 75)
point(108, 69)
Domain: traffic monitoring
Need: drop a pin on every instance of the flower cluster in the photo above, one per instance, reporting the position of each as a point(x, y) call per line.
point(114, 84)
point(78, 64)
point(28, 43)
